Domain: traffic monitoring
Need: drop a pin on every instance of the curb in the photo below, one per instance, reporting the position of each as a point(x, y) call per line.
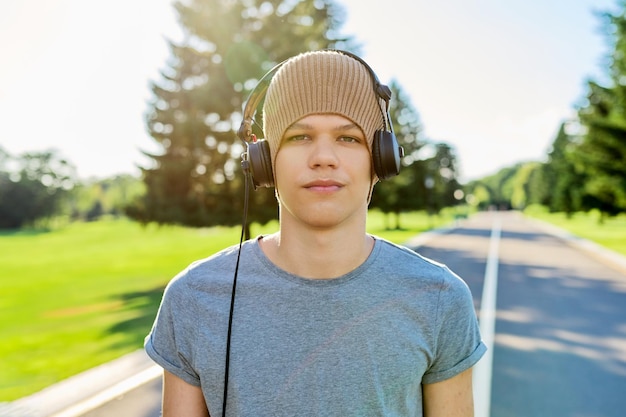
point(88, 390)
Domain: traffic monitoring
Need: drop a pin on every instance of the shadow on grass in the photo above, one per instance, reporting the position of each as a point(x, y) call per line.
point(24, 232)
point(144, 305)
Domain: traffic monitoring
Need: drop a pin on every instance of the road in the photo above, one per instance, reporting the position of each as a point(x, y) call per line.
point(559, 347)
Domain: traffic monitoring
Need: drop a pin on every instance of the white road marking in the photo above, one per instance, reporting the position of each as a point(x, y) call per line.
point(487, 320)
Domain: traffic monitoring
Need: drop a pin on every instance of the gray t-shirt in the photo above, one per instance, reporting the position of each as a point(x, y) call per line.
point(358, 345)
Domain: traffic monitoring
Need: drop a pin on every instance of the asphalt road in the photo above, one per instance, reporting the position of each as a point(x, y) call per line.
point(559, 348)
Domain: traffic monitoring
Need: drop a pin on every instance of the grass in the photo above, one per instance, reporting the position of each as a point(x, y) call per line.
point(78, 296)
point(610, 233)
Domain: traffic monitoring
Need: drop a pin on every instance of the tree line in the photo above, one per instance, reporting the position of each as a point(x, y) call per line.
point(37, 188)
point(195, 179)
point(585, 168)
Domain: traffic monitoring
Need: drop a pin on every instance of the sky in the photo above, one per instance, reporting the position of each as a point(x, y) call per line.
point(495, 79)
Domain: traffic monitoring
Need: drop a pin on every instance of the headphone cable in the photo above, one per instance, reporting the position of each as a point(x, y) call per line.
point(246, 170)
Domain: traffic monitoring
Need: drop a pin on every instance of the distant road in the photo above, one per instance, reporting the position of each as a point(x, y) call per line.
point(559, 348)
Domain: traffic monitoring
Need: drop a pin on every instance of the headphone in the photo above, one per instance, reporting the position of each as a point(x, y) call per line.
point(386, 153)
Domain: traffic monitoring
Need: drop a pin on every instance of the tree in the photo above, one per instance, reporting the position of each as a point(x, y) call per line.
point(539, 185)
point(443, 173)
point(402, 193)
point(32, 187)
point(565, 183)
point(495, 190)
point(196, 179)
point(96, 197)
point(478, 195)
point(520, 196)
point(601, 155)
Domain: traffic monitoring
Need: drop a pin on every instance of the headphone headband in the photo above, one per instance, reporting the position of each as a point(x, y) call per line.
point(253, 101)
point(386, 153)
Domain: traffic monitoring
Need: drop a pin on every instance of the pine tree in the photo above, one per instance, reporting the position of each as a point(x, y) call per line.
point(565, 182)
point(196, 179)
point(602, 152)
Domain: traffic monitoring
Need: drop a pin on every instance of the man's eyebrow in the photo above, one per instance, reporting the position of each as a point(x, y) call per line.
point(306, 126)
point(303, 126)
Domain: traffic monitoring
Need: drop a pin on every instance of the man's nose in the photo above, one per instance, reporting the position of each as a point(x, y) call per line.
point(324, 152)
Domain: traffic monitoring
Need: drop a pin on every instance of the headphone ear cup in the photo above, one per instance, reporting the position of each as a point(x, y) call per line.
point(386, 154)
point(260, 163)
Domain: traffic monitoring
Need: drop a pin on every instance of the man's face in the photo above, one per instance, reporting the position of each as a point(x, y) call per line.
point(323, 172)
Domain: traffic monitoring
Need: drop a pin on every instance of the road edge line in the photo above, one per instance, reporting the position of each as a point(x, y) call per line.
point(483, 370)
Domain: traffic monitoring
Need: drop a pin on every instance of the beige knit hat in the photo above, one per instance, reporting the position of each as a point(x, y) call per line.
point(316, 83)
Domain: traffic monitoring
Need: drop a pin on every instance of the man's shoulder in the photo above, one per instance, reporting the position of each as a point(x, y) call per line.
point(412, 265)
point(223, 255)
point(403, 255)
point(213, 268)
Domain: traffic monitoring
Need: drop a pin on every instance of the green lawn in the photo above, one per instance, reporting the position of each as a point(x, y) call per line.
point(611, 233)
point(84, 294)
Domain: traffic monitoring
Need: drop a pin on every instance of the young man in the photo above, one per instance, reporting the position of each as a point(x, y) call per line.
point(328, 320)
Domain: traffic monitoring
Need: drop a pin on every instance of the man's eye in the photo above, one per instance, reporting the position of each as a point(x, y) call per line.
point(297, 138)
point(349, 139)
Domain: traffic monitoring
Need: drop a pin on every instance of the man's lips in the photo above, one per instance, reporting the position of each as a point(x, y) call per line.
point(323, 185)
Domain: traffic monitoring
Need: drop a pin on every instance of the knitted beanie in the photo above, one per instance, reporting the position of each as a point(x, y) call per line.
point(321, 82)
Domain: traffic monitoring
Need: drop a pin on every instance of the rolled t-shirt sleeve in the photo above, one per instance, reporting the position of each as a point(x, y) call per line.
point(165, 344)
point(458, 344)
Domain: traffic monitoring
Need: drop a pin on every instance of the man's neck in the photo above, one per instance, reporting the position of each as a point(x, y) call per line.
point(318, 254)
